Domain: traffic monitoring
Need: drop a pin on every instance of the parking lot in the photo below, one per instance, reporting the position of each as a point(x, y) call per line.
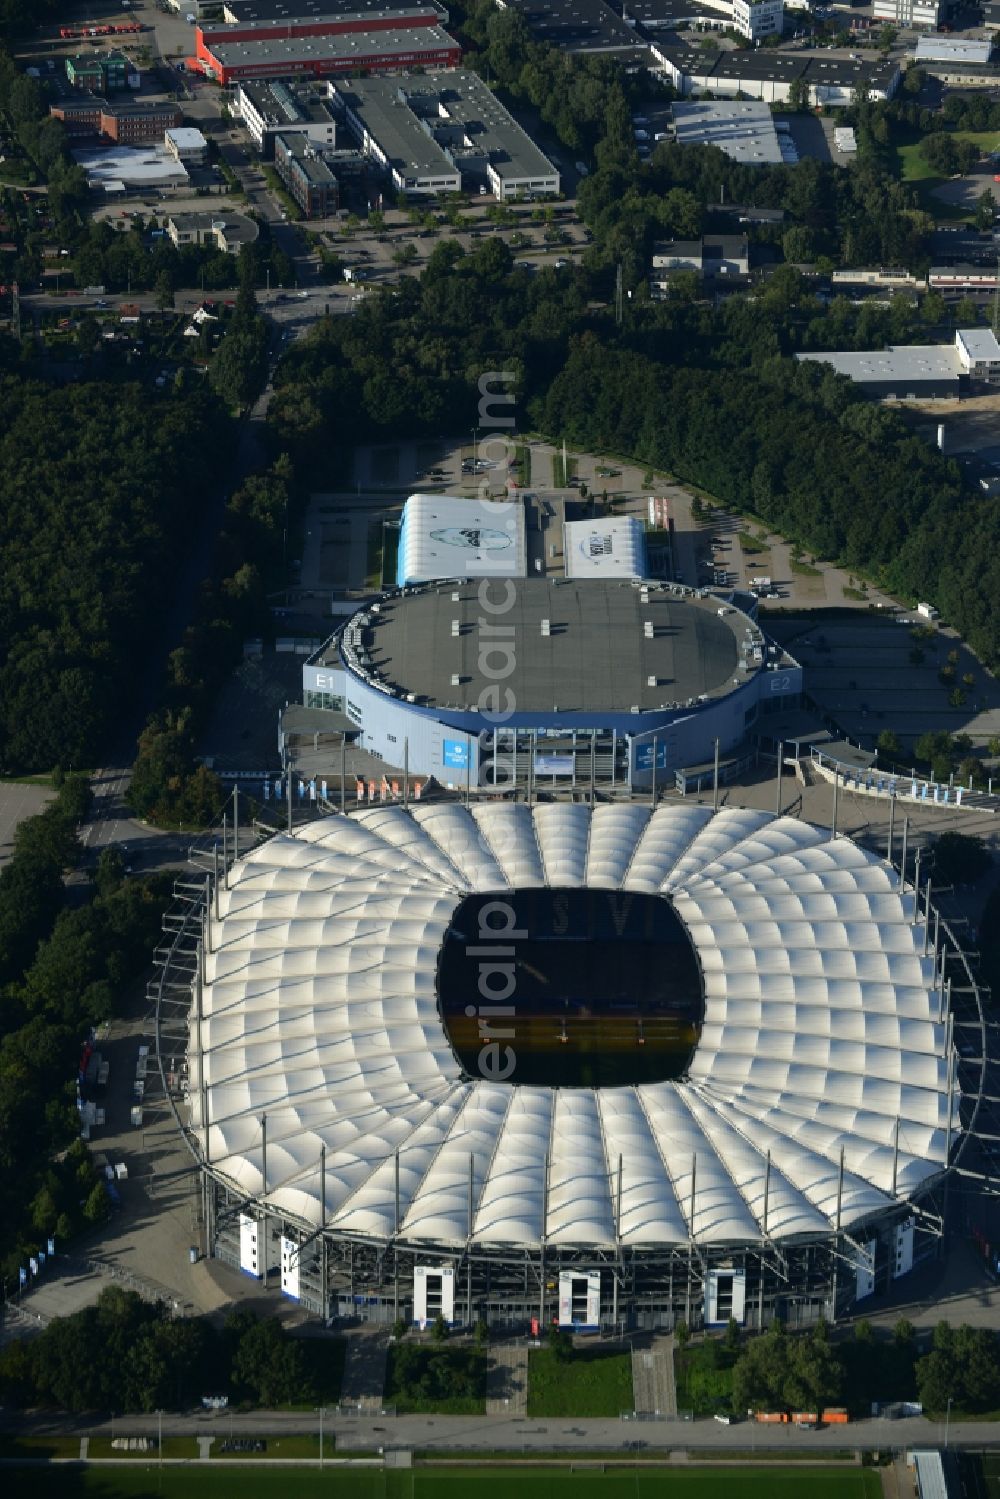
point(16, 803)
point(860, 669)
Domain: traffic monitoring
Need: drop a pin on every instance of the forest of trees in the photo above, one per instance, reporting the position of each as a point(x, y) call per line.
point(101, 487)
point(814, 1371)
point(63, 969)
point(126, 1354)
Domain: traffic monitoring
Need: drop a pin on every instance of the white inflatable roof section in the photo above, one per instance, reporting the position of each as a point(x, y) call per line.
point(319, 1009)
point(609, 547)
point(446, 536)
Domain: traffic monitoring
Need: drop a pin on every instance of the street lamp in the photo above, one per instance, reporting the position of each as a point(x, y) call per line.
point(322, 1413)
point(159, 1435)
point(475, 447)
point(947, 1423)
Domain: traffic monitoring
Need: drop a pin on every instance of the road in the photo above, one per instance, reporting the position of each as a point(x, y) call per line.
point(524, 1435)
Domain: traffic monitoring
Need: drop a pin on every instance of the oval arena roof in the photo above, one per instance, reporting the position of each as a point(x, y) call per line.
point(820, 1030)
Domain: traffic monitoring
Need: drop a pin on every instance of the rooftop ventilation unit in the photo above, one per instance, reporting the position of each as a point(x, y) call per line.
point(455, 626)
point(647, 629)
point(546, 628)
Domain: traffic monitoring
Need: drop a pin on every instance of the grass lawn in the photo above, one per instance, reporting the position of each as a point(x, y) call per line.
point(204, 1482)
point(752, 544)
point(914, 168)
point(591, 1382)
point(39, 1447)
point(803, 569)
point(373, 559)
point(390, 555)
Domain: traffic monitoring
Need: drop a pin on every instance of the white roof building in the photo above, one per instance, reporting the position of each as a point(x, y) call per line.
point(954, 49)
point(446, 536)
point(821, 1040)
point(186, 143)
point(978, 352)
point(609, 547)
point(743, 128)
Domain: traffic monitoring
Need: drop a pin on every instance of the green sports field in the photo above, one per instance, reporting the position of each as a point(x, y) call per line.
point(206, 1482)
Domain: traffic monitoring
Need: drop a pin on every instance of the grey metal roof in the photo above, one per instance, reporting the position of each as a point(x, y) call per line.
point(380, 107)
point(293, 51)
point(918, 362)
point(313, 167)
point(596, 658)
point(577, 25)
point(282, 101)
point(743, 128)
point(245, 11)
point(429, 121)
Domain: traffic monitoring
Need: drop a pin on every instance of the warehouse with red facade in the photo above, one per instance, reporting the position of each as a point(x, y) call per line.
point(342, 52)
point(262, 40)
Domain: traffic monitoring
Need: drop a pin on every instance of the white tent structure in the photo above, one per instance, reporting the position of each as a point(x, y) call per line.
point(817, 1099)
point(446, 536)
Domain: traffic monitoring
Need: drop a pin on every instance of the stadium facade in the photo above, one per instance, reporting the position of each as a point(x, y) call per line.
point(489, 683)
point(601, 1139)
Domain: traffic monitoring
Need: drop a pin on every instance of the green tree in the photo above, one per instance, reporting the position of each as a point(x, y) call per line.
point(959, 859)
point(889, 745)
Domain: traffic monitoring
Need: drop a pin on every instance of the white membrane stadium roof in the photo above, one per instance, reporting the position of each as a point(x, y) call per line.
point(821, 1030)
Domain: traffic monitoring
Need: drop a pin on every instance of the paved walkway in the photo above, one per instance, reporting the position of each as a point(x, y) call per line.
point(364, 1371)
point(507, 1379)
point(654, 1392)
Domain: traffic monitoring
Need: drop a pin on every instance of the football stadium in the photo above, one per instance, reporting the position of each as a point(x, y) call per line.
point(601, 1065)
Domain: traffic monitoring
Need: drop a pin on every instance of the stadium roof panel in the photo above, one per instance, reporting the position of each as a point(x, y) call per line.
point(821, 1038)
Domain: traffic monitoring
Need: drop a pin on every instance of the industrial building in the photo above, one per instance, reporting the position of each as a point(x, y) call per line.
point(387, 131)
point(186, 144)
point(103, 73)
point(290, 13)
point(743, 129)
point(377, 51)
point(444, 131)
point(722, 255)
point(272, 106)
point(229, 232)
point(769, 76)
point(759, 1121)
point(962, 277)
point(113, 169)
point(914, 13)
point(961, 49)
point(589, 26)
point(133, 122)
point(962, 74)
point(758, 19)
point(921, 371)
point(307, 176)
